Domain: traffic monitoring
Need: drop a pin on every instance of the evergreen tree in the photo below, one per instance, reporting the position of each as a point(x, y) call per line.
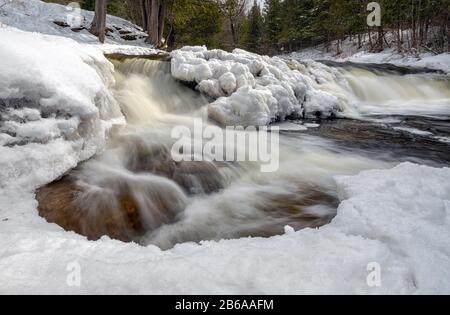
point(254, 29)
point(195, 22)
point(273, 25)
point(288, 25)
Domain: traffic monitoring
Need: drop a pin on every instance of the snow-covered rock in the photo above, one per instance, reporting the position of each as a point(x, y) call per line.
point(250, 89)
point(54, 19)
point(56, 106)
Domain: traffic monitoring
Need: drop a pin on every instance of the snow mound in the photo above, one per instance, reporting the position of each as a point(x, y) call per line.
point(250, 89)
point(57, 112)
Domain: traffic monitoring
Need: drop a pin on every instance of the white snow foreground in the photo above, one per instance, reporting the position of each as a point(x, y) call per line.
point(56, 107)
point(397, 219)
point(250, 89)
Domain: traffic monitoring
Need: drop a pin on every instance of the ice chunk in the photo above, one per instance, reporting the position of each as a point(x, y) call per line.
point(251, 89)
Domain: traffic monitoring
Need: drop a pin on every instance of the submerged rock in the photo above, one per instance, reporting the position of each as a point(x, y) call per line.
point(119, 216)
point(195, 177)
point(127, 205)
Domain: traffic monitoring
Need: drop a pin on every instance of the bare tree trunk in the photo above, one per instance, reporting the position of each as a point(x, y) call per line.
point(155, 27)
point(413, 30)
point(233, 32)
point(144, 14)
point(98, 26)
point(234, 11)
point(148, 14)
point(154, 23)
point(161, 18)
point(370, 39)
point(380, 37)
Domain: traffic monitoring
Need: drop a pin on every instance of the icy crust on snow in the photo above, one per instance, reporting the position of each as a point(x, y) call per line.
point(396, 218)
point(57, 112)
point(250, 89)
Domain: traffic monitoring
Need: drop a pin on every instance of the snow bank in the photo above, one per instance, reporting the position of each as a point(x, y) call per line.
point(408, 208)
point(424, 60)
point(397, 218)
point(250, 89)
point(55, 106)
point(55, 19)
point(351, 53)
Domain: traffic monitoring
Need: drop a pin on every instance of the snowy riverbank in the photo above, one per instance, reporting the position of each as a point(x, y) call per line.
point(388, 217)
point(439, 62)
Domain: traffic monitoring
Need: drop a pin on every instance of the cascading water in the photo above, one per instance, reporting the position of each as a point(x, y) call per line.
point(366, 92)
point(136, 191)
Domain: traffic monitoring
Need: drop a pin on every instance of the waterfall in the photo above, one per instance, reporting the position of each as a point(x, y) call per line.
point(164, 202)
point(369, 92)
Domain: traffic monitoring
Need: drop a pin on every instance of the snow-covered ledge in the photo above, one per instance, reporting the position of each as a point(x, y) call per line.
point(57, 112)
point(250, 89)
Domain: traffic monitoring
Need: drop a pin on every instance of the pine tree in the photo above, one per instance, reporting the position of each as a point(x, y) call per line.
point(195, 22)
point(254, 29)
point(273, 25)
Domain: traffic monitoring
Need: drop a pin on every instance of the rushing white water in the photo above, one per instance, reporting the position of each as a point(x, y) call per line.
point(205, 200)
point(366, 93)
point(210, 200)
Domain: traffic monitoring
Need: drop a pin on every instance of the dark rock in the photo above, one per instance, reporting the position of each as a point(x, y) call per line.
point(197, 177)
point(61, 23)
point(124, 32)
point(78, 29)
point(121, 57)
point(129, 37)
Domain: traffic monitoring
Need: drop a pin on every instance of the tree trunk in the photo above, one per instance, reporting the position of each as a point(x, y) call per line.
point(156, 12)
point(413, 30)
point(380, 37)
point(233, 32)
point(98, 26)
point(370, 39)
point(170, 41)
point(144, 14)
point(161, 19)
point(154, 23)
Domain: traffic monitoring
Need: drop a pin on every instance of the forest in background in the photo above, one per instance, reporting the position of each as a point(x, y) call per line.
point(282, 26)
